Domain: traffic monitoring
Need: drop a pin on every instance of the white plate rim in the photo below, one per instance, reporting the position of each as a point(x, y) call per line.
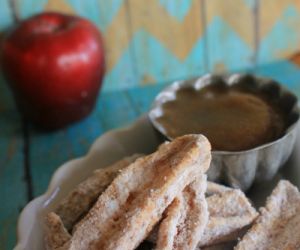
point(24, 225)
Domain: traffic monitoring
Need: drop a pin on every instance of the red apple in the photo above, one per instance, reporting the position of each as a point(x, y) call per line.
point(55, 65)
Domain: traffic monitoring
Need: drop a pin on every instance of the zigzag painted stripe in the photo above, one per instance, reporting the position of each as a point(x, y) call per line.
point(282, 39)
point(227, 50)
point(170, 31)
point(271, 11)
point(100, 12)
point(235, 13)
point(156, 63)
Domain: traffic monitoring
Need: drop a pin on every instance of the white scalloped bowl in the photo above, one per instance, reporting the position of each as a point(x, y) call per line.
point(140, 137)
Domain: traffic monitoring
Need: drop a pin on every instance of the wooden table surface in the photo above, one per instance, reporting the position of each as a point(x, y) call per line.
point(28, 158)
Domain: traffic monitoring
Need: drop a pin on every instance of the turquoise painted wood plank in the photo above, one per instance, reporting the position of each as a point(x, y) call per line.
point(142, 97)
point(116, 110)
point(49, 150)
point(230, 38)
point(279, 32)
point(13, 188)
point(166, 40)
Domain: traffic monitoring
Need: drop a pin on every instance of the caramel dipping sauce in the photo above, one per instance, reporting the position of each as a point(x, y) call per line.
point(233, 118)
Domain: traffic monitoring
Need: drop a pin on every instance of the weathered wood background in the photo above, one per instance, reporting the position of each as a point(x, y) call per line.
point(155, 41)
point(147, 42)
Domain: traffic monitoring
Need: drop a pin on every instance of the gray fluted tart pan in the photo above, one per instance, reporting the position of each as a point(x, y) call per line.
point(240, 169)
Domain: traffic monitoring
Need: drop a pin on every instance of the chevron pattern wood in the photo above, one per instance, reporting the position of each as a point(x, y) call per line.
point(156, 41)
point(230, 34)
point(279, 30)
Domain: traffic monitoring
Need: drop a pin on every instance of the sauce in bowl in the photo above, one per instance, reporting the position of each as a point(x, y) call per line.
point(233, 118)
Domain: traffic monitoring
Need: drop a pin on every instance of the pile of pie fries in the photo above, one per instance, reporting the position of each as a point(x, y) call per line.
point(165, 198)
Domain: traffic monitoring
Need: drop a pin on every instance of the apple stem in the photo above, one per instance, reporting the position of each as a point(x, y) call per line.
point(14, 11)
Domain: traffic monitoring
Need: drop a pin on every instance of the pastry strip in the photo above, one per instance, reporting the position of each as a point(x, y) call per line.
point(230, 214)
point(79, 201)
point(215, 188)
point(191, 219)
point(278, 226)
point(55, 233)
point(134, 202)
point(168, 228)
